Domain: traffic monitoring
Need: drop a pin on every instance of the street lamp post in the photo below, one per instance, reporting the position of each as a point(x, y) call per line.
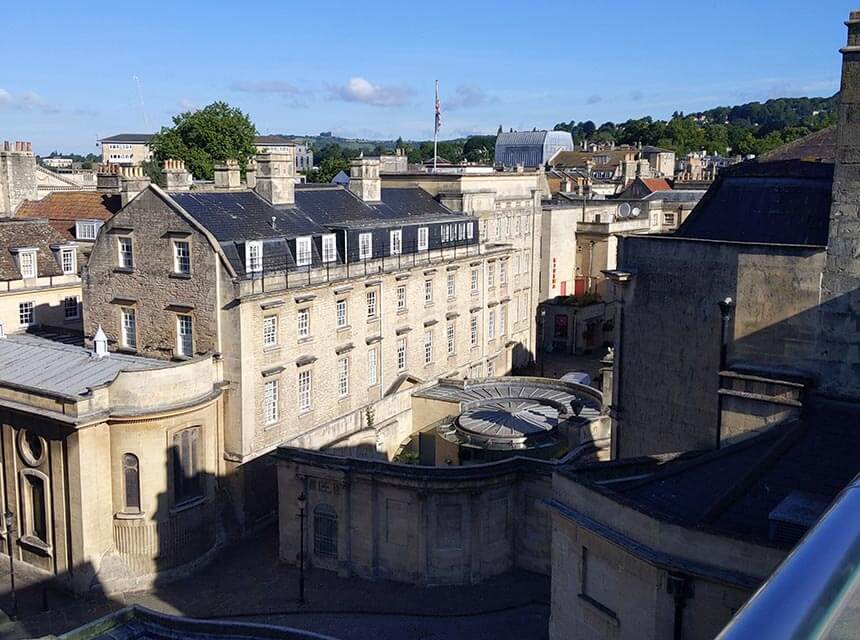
point(302, 500)
point(9, 518)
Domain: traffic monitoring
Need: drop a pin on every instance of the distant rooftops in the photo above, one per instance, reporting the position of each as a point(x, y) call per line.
point(63, 208)
point(16, 233)
point(133, 138)
point(273, 140)
point(55, 368)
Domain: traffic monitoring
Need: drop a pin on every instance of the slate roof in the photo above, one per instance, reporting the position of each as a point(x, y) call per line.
point(134, 138)
point(273, 140)
point(37, 234)
point(52, 367)
point(521, 138)
point(783, 202)
point(243, 215)
point(734, 490)
point(64, 208)
point(819, 146)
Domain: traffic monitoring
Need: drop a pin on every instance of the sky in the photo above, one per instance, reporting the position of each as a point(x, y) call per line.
point(72, 72)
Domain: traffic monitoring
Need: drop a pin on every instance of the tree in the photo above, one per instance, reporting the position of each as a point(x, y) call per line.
point(205, 137)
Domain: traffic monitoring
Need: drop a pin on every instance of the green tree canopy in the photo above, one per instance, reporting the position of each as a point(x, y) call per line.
point(206, 137)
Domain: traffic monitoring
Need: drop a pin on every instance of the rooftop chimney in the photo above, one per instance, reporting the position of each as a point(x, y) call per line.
point(108, 178)
point(227, 175)
point(276, 177)
point(17, 176)
point(175, 176)
point(364, 179)
point(251, 174)
point(133, 181)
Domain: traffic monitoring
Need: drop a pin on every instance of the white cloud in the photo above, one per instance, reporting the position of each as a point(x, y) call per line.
point(361, 90)
point(467, 96)
point(27, 101)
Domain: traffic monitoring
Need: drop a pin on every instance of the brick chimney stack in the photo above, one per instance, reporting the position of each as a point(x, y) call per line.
point(228, 175)
point(276, 177)
point(175, 176)
point(364, 180)
point(840, 284)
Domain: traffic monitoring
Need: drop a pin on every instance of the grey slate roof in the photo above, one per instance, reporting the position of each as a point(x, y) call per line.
point(785, 202)
point(134, 138)
point(735, 489)
point(52, 367)
point(273, 140)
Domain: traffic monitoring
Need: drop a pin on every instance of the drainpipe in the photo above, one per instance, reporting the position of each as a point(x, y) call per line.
point(681, 589)
point(726, 308)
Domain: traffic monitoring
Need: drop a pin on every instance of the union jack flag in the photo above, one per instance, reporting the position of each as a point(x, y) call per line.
point(438, 109)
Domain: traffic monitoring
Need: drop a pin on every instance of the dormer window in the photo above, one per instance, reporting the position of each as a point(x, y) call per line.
point(396, 238)
point(303, 251)
point(329, 248)
point(87, 229)
point(27, 263)
point(423, 238)
point(254, 257)
point(365, 246)
point(68, 261)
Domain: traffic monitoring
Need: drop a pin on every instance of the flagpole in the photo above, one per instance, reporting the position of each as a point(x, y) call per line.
point(436, 127)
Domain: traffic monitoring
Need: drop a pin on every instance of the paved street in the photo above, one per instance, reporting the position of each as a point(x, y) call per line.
point(247, 583)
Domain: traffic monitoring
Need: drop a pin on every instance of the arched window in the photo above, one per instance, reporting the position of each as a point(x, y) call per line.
point(325, 531)
point(186, 466)
point(131, 482)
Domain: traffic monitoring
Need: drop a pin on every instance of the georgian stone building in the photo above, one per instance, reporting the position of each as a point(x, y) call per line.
point(325, 304)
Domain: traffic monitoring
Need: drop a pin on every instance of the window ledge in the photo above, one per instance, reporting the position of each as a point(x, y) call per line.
point(402, 312)
point(123, 270)
point(306, 340)
point(179, 276)
point(178, 357)
point(127, 350)
point(272, 348)
point(344, 328)
point(123, 515)
point(36, 545)
point(373, 319)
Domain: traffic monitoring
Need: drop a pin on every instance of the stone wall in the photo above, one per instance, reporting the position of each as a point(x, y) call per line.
point(151, 287)
point(17, 176)
point(452, 525)
point(668, 352)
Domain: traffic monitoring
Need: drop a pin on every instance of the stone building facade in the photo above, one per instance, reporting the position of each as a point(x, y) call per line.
point(110, 463)
point(130, 149)
point(17, 176)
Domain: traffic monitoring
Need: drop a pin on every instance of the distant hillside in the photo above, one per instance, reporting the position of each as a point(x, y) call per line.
point(752, 128)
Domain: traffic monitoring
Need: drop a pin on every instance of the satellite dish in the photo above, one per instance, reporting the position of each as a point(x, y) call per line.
point(635, 213)
point(623, 210)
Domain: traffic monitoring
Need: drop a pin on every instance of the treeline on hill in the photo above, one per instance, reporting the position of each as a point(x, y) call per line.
point(752, 128)
point(332, 158)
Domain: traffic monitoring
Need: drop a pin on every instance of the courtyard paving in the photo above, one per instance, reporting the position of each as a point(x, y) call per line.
point(246, 582)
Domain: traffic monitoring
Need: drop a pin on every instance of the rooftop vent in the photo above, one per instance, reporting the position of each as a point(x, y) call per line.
point(100, 343)
point(794, 516)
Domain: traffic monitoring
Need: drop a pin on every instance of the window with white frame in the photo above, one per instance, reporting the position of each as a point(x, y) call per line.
point(70, 308)
point(423, 238)
point(491, 324)
point(254, 256)
point(491, 274)
point(86, 229)
point(372, 366)
point(126, 253)
point(474, 281)
point(371, 305)
point(129, 328)
point(475, 371)
point(341, 317)
point(503, 319)
point(184, 335)
point(401, 298)
point(503, 273)
point(69, 261)
point(181, 256)
point(428, 292)
point(270, 401)
point(428, 346)
point(450, 336)
point(482, 229)
point(401, 354)
point(329, 248)
point(343, 377)
point(396, 241)
point(303, 251)
point(270, 331)
point(365, 246)
point(25, 314)
point(304, 387)
point(445, 232)
point(451, 285)
point(303, 323)
point(470, 230)
point(526, 260)
point(27, 263)
point(473, 331)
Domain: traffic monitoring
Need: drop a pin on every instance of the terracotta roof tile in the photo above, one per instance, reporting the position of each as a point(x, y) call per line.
point(657, 184)
point(63, 208)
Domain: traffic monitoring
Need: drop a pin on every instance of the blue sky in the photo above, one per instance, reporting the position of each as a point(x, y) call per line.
point(367, 69)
